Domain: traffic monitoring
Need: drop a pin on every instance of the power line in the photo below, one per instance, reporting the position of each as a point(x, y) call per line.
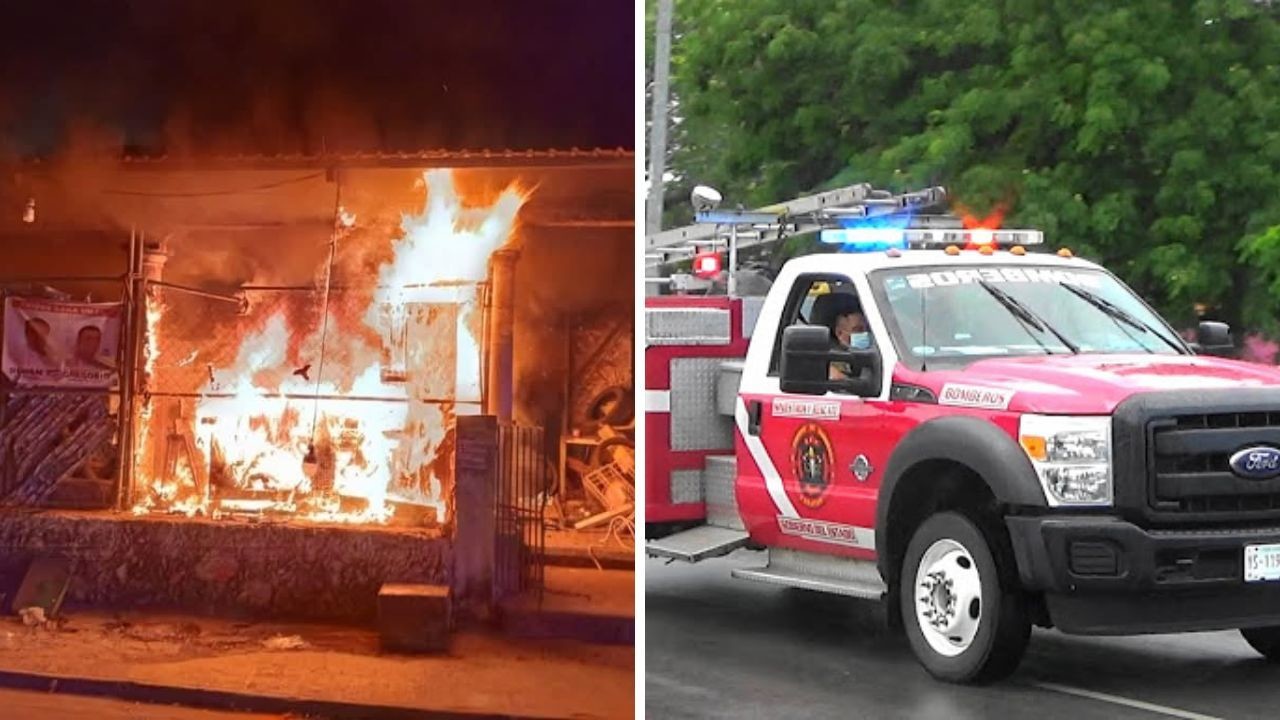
point(215, 193)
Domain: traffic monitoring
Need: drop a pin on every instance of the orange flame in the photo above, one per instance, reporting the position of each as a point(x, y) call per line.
point(261, 430)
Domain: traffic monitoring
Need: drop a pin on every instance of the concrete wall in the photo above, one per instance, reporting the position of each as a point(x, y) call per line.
point(254, 570)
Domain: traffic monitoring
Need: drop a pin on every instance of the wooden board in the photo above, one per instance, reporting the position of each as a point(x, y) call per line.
point(44, 585)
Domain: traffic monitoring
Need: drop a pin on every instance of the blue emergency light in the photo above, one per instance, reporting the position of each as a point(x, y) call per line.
point(865, 239)
point(878, 239)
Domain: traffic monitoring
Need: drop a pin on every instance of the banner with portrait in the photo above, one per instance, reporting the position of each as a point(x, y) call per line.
point(48, 343)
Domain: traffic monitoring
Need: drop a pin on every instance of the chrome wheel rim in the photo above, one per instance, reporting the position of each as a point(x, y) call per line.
point(948, 597)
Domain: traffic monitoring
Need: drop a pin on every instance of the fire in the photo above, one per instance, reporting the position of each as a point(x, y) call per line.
point(361, 436)
point(150, 353)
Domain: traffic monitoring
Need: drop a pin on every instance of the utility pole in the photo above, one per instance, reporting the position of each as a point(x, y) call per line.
point(658, 128)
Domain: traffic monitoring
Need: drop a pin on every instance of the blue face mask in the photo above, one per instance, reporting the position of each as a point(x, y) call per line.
point(860, 341)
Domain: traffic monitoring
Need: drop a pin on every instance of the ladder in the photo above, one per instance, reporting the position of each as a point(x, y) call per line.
point(740, 229)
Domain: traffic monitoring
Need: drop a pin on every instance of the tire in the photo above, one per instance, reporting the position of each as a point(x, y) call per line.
point(1266, 640)
point(985, 614)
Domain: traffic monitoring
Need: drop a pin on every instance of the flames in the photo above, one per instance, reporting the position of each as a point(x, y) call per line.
point(325, 423)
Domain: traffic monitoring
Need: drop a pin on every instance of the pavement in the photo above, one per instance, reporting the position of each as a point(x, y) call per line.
point(28, 705)
point(312, 670)
point(723, 648)
point(144, 665)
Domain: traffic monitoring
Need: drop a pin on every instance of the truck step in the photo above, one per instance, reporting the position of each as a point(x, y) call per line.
point(700, 543)
point(823, 573)
point(719, 473)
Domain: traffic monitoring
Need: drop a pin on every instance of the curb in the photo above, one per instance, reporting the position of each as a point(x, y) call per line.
point(231, 701)
point(583, 627)
point(609, 560)
point(524, 619)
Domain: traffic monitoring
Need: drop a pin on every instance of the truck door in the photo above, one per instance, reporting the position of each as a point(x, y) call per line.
point(823, 452)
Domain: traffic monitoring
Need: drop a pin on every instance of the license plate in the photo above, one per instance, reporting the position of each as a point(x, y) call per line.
point(1261, 563)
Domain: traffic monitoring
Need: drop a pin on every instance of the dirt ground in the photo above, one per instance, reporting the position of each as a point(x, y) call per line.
point(482, 672)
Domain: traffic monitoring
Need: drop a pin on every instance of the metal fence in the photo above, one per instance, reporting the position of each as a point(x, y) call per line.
point(62, 447)
point(59, 449)
point(520, 541)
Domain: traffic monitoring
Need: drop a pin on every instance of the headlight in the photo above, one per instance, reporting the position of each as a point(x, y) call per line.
point(1072, 456)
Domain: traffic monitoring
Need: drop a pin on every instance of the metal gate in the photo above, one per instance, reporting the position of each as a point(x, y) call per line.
point(520, 512)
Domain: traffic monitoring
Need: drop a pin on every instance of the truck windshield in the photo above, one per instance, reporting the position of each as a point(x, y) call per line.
point(949, 316)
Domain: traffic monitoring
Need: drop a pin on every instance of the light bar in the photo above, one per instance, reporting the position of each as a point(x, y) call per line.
point(873, 239)
point(977, 237)
point(865, 239)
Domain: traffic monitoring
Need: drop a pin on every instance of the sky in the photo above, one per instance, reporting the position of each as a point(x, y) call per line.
point(312, 76)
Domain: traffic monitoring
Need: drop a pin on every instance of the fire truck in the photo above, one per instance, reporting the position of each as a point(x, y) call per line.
point(978, 434)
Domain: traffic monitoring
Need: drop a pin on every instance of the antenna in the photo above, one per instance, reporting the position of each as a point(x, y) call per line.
point(924, 329)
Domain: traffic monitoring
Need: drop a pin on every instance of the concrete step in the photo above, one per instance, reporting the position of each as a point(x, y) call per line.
point(588, 605)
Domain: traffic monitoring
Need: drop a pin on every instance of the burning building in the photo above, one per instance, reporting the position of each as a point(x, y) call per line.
point(302, 338)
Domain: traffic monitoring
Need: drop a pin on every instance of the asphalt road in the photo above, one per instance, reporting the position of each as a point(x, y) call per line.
point(21, 705)
point(723, 648)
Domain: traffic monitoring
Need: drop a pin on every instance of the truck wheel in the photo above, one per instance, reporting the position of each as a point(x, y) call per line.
point(1266, 640)
point(965, 624)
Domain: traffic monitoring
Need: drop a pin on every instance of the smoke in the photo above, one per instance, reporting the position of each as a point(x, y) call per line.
point(298, 76)
point(567, 281)
point(573, 274)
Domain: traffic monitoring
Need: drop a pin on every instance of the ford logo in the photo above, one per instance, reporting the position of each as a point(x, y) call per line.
point(1256, 463)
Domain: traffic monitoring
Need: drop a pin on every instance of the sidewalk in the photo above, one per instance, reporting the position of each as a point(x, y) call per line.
point(593, 548)
point(314, 669)
point(590, 605)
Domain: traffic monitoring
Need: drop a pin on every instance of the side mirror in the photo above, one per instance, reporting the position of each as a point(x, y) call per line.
point(1214, 338)
point(807, 356)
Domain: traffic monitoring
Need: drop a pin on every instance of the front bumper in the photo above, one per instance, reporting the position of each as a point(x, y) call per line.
point(1103, 575)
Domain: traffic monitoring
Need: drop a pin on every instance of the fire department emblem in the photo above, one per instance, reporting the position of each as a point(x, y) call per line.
point(812, 463)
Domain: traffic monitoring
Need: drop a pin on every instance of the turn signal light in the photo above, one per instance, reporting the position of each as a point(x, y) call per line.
point(1035, 447)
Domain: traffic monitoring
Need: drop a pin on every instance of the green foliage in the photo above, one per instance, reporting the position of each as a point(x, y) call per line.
point(1143, 134)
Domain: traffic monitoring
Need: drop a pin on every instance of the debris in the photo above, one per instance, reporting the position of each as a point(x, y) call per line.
point(627, 511)
point(157, 632)
point(285, 642)
point(44, 585)
point(611, 486)
point(33, 617)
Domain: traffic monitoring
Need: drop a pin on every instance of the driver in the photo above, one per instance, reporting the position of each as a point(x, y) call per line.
point(842, 315)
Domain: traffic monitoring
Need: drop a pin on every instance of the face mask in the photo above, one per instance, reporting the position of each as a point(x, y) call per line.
point(860, 341)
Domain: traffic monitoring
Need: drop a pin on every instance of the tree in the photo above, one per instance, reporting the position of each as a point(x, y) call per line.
point(1145, 134)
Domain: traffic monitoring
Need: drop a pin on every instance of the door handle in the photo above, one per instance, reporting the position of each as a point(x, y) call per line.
point(754, 410)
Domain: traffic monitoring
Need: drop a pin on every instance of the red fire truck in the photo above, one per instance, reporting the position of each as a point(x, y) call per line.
point(980, 436)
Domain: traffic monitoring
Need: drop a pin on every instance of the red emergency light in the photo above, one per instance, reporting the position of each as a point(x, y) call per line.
point(981, 230)
point(706, 265)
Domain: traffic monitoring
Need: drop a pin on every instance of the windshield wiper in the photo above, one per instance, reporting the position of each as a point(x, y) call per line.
point(1027, 316)
point(1119, 315)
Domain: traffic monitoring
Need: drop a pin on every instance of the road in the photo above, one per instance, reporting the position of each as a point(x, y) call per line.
point(22, 705)
point(723, 648)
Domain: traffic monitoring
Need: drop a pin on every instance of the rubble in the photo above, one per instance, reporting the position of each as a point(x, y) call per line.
point(33, 617)
point(285, 642)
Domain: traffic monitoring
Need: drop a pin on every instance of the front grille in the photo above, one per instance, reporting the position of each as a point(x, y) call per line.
point(1189, 464)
